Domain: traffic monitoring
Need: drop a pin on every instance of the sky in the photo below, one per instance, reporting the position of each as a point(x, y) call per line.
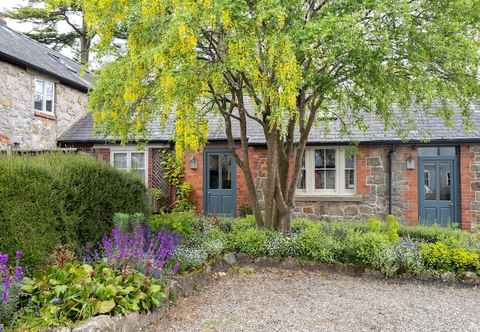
point(24, 27)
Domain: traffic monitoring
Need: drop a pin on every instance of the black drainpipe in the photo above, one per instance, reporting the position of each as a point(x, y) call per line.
point(390, 178)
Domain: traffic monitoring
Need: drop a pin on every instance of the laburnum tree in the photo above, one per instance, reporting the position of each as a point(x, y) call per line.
point(301, 63)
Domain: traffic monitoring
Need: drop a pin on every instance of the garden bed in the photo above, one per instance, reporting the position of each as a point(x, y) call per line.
point(134, 269)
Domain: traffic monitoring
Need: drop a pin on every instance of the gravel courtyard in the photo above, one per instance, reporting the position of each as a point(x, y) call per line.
point(284, 300)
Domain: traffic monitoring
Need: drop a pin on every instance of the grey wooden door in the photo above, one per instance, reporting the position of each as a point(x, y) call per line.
point(437, 190)
point(220, 183)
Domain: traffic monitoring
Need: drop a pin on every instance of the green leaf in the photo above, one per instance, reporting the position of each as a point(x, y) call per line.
point(104, 307)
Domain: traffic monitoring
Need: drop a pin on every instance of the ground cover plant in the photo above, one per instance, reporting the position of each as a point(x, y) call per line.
point(125, 271)
point(383, 245)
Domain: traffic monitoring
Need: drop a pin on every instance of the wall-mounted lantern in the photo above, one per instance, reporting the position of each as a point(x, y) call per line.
point(193, 163)
point(410, 163)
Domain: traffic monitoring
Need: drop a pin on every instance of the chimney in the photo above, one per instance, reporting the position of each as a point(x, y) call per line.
point(3, 22)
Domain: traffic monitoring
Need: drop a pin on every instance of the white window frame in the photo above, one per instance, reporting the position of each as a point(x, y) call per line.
point(129, 151)
point(340, 190)
point(44, 95)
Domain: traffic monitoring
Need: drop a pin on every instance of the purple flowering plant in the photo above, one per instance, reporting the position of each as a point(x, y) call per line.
point(140, 249)
point(8, 277)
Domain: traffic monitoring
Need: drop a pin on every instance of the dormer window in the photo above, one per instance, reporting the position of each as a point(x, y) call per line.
point(44, 96)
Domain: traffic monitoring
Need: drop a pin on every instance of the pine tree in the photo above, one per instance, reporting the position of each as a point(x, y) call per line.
point(46, 17)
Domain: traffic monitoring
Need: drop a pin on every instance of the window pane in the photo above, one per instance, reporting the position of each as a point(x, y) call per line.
point(428, 151)
point(319, 179)
point(138, 160)
point(301, 177)
point(226, 162)
point(330, 179)
point(445, 182)
point(319, 158)
point(38, 99)
point(447, 151)
point(430, 182)
point(213, 173)
point(49, 96)
point(349, 179)
point(301, 180)
point(349, 161)
point(330, 158)
point(120, 160)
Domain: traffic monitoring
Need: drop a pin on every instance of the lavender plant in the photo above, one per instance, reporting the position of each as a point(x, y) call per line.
point(9, 287)
point(141, 249)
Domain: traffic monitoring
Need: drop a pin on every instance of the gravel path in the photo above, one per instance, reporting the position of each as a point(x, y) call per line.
point(282, 300)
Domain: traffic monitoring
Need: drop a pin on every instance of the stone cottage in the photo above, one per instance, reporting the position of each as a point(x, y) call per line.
point(430, 176)
point(42, 92)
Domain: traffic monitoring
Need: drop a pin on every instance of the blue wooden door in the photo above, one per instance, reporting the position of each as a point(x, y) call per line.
point(220, 183)
point(437, 190)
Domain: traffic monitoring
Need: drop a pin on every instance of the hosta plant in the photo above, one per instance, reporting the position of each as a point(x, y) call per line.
point(77, 292)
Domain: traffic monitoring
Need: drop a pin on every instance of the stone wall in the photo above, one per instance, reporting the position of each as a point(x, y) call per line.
point(18, 120)
point(371, 198)
point(404, 185)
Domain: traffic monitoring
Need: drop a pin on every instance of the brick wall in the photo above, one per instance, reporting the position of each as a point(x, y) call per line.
point(195, 176)
point(470, 185)
point(371, 197)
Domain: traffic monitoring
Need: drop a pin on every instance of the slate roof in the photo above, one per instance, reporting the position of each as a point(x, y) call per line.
point(420, 128)
point(20, 50)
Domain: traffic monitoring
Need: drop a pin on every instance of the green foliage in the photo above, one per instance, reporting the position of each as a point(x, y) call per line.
point(61, 199)
point(435, 233)
point(313, 243)
point(174, 173)
point(76, 292)
point(48, 16)
point(442, 257)
point(374, 224)
point(9, 310)
point(364, 248)
point(186, 223)
point(250, 241)
point(389, 52)
point(127, 222)
point(392, 227)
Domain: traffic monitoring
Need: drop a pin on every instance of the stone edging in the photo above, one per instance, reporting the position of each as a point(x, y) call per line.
point(187, 284)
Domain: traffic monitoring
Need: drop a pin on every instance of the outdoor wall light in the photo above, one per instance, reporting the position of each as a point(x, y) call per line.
point(193, 163)
point(410, 163)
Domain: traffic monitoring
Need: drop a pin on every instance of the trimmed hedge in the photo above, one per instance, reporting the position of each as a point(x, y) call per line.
point(61, 199)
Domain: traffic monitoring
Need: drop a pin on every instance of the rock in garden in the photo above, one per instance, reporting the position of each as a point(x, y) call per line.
point(230, 258)
point(96, 324)
point(471, 278)
point(448, 277)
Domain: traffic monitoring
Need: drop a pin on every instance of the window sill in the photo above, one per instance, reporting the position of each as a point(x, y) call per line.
point(45, 115)
point(328, 198)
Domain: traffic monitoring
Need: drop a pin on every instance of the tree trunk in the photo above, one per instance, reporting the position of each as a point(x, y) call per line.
point(85, 42)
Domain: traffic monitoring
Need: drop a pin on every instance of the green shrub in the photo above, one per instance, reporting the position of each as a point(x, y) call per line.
point(249, 241)
point(76, 292)
point(442, 257)
point(392, 227)
point(61, 199)
point(316, 245)
point(432, 234)
point(374, 224)
point(364, 248)
point(183, 223)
